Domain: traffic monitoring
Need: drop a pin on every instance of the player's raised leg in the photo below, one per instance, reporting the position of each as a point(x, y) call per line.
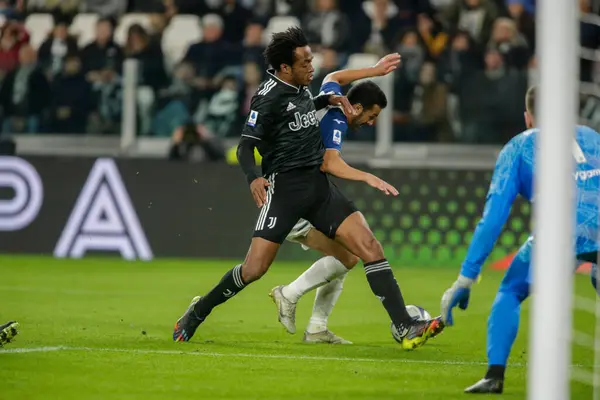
point(503, 322)
point(355, 234)
point(326, 274)
point(8, 331)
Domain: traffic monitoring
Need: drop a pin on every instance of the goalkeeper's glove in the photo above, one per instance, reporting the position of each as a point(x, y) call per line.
point(457, 295)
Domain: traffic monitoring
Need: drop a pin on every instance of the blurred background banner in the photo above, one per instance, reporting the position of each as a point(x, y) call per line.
point(140, 209)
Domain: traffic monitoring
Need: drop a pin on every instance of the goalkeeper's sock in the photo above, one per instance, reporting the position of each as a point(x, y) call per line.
point(384, 286)
point(495, 372)
point(503, 325)
point(324, 270)
point(230, 285)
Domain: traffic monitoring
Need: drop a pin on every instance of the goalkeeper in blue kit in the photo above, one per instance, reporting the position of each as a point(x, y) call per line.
point(514, 175)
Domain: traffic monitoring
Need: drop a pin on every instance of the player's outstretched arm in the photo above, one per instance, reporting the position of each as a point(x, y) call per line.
point(334, 164)
point(386, 65)
point(504, 188)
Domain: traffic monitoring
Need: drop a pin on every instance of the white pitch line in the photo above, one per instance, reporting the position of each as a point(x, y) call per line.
point(20, 350)
point(243, 355)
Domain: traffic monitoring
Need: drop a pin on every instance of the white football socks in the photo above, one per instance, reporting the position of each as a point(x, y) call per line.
point(323, 271)
point(325, 299)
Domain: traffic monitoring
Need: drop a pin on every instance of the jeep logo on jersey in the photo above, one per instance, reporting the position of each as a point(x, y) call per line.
point(303, 120)
point(103, 218)
point(22, 179)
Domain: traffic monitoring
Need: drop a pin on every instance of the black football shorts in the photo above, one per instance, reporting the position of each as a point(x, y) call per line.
point(301, 193)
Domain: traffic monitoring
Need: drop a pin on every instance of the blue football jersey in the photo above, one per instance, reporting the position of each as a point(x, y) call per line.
point(332, 120)
point(514, 175)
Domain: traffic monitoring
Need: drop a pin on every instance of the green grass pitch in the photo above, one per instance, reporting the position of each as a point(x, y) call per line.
point(101, 329)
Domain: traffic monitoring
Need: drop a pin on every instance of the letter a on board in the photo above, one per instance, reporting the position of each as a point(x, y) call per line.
point(103, 218)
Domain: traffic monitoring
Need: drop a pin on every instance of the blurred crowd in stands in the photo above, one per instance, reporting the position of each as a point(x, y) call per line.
point(466, 64)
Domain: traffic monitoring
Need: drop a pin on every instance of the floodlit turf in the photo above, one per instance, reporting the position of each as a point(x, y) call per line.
point(101, 329)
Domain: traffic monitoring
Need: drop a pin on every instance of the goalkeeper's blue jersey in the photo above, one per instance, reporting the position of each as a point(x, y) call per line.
point(513, 176)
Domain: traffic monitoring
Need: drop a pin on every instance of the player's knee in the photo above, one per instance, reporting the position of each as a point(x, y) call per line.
point(253, 271)
point(349, 260)
point(372, 249)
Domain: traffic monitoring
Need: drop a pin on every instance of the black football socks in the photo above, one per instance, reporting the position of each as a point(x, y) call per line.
point(496, 372)
point(230, 285)
point(384, 286)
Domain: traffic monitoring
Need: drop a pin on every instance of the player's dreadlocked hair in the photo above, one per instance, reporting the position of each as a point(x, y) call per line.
point(281, 48)
point(530, 100)
point(368, 94)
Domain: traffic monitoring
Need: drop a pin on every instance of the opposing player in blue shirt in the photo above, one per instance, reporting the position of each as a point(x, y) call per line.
point(328, 273)
point(514, 175)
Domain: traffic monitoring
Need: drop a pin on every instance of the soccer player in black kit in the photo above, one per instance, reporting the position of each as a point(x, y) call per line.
point(283, 126)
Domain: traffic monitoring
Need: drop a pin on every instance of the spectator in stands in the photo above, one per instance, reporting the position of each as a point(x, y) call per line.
point(24, 95)
point(150, 56)
point(413, 53)
point(103, 53)
point(253, 45)
point(427, 121)
point(462, 58)
point(211, 55)
point(475, 17)
point(383, 26)
point(175, 102)
point(106, 8)
point(491, 102)
point(12, 38)
point(510, 43)
point(235, 18)
point(327, 26)
point(219, 115)
point(53, 51)
point(109, 99)
point(72, 99)
point(523, 12)
point(432, 35)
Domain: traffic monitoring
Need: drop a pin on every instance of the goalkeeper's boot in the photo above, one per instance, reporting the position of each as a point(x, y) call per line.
point(186, 326)
point(487, 386)
point(420, 331)
point(8, 331)
point(286, 310)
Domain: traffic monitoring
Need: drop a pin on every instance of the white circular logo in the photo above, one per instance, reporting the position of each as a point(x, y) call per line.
point(19, 211)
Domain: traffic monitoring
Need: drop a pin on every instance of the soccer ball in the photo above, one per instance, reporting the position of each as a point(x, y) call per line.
point(417, 313)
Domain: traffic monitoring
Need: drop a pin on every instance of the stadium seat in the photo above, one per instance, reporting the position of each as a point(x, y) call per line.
point(84, 27)
point(38, 26)
point(183, 31)
point(126, 21)
point(278, 24)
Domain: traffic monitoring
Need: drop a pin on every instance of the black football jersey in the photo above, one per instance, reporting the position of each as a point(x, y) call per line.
point(284, 120)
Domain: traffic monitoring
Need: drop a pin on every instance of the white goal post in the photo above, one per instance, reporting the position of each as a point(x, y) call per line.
point(551, 320)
